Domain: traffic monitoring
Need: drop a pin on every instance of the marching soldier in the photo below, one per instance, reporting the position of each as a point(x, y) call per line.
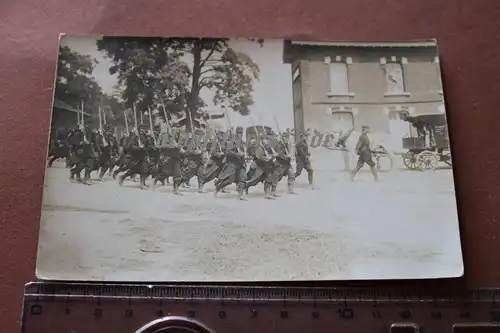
point(252, 152)
point(193, 154)
point(264, 170)
point(109, 149)
point(302, 156)
point(121, 161)
point(169, 164)
point(87, 152)
point(121, 154)
point(234, 170)
point(364, 153)
point(153, 154)
point(59, 147)
point(137, 158)
point(216, 161)
point(284, 164)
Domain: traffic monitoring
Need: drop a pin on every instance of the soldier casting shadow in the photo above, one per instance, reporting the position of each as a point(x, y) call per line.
point(137, 157)
point(364, 154)
point(169, 164)
point(87, 151)
point(234, 170)
point(302, 156)
point(109, 149)
point(263, 169)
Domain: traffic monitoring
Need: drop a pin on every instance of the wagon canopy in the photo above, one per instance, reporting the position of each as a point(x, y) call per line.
point(436, 119)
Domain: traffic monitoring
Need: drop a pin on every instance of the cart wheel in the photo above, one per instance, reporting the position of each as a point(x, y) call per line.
point(410, 161)
point(428, 160)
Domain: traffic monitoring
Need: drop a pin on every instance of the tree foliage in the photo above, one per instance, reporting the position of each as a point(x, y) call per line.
point(112, 109)
point(74, 81)
point(175, 70)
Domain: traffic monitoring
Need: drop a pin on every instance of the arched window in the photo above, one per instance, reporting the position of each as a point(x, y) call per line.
point(341, 120)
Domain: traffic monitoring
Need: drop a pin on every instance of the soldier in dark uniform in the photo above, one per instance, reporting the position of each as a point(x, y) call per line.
point(169, 164)
point(109, 149)
point(193, 165)
point(153, 154)
point(284, 164)
point(120, 163)
point(59, 147)
point(252, 153)
point(215, 162)
point(364, 153)
point(74, 140)
point(264, 168)
point(118, 158)
point(234, 170)
point(137, 157)
point(302, 156)
point(87, 152)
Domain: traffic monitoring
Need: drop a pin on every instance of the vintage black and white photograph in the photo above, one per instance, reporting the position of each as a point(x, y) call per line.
point(216, 159)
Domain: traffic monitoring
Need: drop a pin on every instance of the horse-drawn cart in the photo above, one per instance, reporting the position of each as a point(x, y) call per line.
point(428, 144)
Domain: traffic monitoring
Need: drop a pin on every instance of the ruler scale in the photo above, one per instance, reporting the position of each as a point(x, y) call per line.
point(93, 308)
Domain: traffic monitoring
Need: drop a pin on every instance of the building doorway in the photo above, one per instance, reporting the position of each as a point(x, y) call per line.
point(398, 128)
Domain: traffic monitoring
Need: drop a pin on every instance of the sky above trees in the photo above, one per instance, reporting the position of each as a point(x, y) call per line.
point(271, 91)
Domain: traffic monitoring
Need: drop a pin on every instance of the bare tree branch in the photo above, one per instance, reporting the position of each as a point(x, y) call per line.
point(207, 71)
point(204, 61)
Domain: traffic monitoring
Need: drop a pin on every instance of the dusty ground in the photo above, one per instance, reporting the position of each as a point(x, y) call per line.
point(405, 226)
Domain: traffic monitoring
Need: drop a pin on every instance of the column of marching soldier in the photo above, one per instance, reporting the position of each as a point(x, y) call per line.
point(172, 152)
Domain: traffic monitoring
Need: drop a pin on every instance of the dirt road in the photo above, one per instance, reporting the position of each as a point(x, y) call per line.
point(405, 226)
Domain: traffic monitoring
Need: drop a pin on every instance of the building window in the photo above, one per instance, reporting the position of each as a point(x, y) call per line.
point(342, 121)
point(395, 78)
point(339, 77)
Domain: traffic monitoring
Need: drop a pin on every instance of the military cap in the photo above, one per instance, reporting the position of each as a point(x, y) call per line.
point(365, 127)
point(199, 131)
point(239, 129)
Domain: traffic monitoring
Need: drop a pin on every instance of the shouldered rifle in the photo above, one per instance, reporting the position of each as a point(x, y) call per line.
point(151, 126)
point(169, 126)
point(126, 121)
point(281, 137)
point(101, 130)
point(141, 145)
point(82, 125)
point(266, 153)
point(232, 134)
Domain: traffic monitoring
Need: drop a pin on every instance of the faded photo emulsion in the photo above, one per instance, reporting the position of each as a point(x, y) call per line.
point(214, 159)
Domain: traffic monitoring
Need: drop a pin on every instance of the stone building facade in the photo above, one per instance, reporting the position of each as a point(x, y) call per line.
point(338, 86)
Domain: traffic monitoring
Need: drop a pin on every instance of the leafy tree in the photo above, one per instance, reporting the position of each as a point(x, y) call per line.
point(112, 108)
point(74, 81)
point(177, 69)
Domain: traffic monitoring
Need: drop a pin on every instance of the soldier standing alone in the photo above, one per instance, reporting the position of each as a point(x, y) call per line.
point(364, 153)
point(302, 155)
